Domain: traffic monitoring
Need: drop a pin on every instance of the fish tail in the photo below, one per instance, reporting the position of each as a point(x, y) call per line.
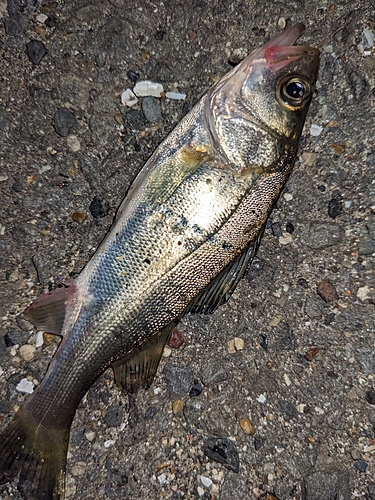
point(38, 454)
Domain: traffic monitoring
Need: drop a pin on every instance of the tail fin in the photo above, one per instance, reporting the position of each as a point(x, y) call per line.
point(38, 454)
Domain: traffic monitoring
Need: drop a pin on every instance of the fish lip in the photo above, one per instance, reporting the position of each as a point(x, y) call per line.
point(281, 51)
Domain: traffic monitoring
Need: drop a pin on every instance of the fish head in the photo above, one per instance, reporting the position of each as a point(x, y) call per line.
point(264, 100)
point(279, 82)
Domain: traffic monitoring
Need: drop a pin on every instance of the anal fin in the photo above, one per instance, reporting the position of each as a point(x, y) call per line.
point(47, 312)
point(137, 370)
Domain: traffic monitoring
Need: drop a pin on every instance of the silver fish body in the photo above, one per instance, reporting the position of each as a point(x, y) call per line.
point(198, 205)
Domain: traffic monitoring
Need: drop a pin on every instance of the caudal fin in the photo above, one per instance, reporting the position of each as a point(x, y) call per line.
point(38, 454)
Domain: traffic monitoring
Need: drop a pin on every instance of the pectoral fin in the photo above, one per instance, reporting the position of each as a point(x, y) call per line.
point(137, 370)
point(47, 312)
point(222, 287)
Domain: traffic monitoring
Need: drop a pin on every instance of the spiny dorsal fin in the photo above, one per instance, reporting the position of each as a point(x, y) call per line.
point(48, 311)
point(222, 287)
point(137, 369)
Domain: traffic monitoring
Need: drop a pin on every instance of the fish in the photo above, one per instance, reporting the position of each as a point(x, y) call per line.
point(188, 228)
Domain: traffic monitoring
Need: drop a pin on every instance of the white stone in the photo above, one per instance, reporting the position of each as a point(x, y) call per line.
point(363, 292)
point(200, 491)
point(367, 38)
point(261, 399)
point(73, 143)
point(41, 18)
point(146, 88)
point(285, 239)
point(27, 352)
point(162, 479)
point(25, 386)
point(128, 98)
point(315, 130)
point(288, 196)
point(109, 443)
point(175, 95)
point(89, 435)
point(39, 339)
point(206, 481)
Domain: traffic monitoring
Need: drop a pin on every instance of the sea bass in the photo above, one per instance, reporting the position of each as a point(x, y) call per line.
point(188, 227)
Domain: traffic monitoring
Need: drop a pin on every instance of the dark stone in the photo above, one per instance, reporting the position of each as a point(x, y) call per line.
point(13, 337)
point(223, 451)
point(334, 208)
point(263, 341)
point(332, 374)
point(114, 416)
point(178, 380)
point(98, 207)
point(370, 396)
point(289, 410)
point(35, 51)
point(159, 35)
point(196, 389)
point(51, 22)
point(303, 283)
point(16, 25)
point(371, 491)
point(151, 109)
point(234, 487)
point(213, 373)
point(151, 412)
point(324, 485)
point(285, 338)
point(133, 76)
point(360, 465)
point(134, 121)
point(259, 442)
point(289, 228)
point(64, 121)
point(276, 229)
point(328, 318)
point(323, 234)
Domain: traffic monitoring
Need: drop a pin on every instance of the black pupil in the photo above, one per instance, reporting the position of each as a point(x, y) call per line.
point(295, 90)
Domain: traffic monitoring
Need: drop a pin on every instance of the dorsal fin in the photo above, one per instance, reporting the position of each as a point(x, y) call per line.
point(47, 312)
point(222, 287)
point(137, 369)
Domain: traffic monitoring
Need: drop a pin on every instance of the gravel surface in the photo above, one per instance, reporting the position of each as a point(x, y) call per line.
point(298, 372)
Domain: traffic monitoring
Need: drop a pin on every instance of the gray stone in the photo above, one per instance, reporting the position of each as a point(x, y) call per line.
point(314, 307)
point(322, 485)
point(16, 25)
point(36, 50)
point(64, 121)
point(321, 235)
point(365, 356)
point(178, 380)
point(234, 487)
point(193, 410)
point(114, 416)
point(213, 373)
point(151, 109)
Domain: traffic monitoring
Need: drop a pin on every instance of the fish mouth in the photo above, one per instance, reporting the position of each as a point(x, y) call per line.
point(281, 51)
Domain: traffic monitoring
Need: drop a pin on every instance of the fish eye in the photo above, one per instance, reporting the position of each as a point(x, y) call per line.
point(293, 92)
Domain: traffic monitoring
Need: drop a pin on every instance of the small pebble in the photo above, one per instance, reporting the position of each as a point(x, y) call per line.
point(78, 217)
point(89, 435)
point(176, 339)
point(109, 443)
point(162, 479)
point(355, 453)
point(262, 399)
point(177, 406)
point(35, 51)
point(27, 352)
point(200, 491)
point(281, 23)
point(175, 95)
point(99, 208)
point(360, 465)
point(312, 353)
point(25, 386)
point(309, 159)
point(315, 130)
point(327, 291)
point(151, 109)
point(367, 39)
point(196, 389)
point(288, 196)
point(147, 88)
point(334, 208)
point(64, 121)
point(236, 344)
point(39, 339)
point(362, 292)
point(3, 178)
point(206, 481)
point(285, 239)
point(128, 98)
point(41, 18)
point(78, 469)
point(73, 143)
point(370, 396)
point(247, 426)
